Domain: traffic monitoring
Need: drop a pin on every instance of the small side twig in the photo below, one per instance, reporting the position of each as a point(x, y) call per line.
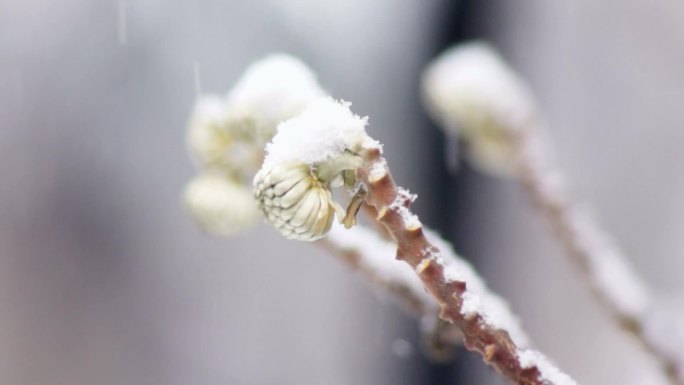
point(372, 256)
point(484, 331)
point(350, 247)
point(606, 269)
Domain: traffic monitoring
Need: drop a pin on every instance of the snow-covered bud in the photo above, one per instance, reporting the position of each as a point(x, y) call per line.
point(295, 201)
point(230, 133)
point(220, 205)
point(270, 91)
point(474, 94)
point(309, 154)
point(207, 135)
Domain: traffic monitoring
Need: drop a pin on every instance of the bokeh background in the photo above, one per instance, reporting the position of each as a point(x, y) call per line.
point(105, 280)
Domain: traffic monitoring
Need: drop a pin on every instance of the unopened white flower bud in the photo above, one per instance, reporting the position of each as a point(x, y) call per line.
point(474, 94)
point(220, 205)
point(311, 152)
point(294, 201)
point(207, 135)
point(270, 91)
point(230, 133)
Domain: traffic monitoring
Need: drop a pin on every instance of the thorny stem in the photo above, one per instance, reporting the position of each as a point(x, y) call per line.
point(442, 340)
point(495, 345)
point(542, 182)
point(372, 213)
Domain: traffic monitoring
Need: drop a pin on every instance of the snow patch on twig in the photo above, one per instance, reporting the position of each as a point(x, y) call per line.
point(664, 328)
point(403, 198)
point(377, 256)
point(614, 277)
point(378, 170)
point(549, 373)
point(477, 299)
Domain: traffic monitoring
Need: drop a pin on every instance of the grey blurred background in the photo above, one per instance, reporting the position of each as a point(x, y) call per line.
point(105, 280)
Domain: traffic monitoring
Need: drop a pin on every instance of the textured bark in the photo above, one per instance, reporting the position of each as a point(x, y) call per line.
point(495, 345)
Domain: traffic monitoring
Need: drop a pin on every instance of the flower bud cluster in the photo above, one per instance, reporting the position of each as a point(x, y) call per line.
point(230, 132)
point(220, 205)
point(227, 136)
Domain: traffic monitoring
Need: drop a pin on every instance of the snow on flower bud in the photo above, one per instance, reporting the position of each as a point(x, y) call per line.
point(270, 91)
point(325, 130)
point(295, 201)
point(474, 94)
point(220, 205)
point(310, 153)
point(230, 133)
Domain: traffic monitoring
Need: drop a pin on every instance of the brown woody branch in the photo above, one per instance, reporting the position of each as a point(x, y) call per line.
point(492, 342)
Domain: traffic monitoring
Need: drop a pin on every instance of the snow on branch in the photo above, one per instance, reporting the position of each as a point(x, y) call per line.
point(471, 88)
point(355, 161)
point(374, 257)
point(486, 324)
point(366, 252)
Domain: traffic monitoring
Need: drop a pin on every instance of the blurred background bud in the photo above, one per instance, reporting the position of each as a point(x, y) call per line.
point(220, 205)
point(476, 96)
